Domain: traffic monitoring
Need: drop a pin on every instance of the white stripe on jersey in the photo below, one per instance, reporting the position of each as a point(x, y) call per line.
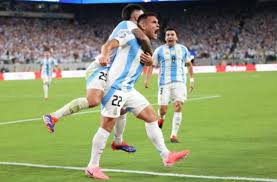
point(126, 67)
point(123, 25)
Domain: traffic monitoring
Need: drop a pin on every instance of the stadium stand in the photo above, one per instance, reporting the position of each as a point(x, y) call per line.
point(230, 34)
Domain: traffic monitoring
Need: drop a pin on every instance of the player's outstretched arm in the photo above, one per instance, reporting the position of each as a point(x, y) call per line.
point(143, 40)
point(105, 51)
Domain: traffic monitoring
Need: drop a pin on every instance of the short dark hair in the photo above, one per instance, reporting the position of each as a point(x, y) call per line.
point(171, 29)
point(129, 9)
point(146, 15)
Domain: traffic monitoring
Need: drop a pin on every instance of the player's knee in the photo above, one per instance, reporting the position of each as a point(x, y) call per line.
point(151, 117)
point(92, 102)
point(163, 111)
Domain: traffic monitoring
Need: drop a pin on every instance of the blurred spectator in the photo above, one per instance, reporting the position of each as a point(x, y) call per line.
point(211, 33)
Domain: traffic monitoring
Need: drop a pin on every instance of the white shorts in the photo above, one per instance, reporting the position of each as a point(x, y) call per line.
point(46, 79)
point(172, 92)
point(96, 76)
point(114, 100)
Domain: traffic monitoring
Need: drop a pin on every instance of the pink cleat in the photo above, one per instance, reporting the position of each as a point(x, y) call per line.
point(173, 157)
point(96, 173)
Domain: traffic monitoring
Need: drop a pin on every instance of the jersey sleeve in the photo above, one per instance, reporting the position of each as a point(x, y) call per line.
point(123, 25)
point(186, 54)
point(131, 26)
point(123, 37)
point(155, 57)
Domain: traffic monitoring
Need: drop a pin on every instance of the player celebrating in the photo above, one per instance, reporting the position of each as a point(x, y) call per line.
point(171, 58)
point(96, 79)
point(120, 92)
point(47, 66)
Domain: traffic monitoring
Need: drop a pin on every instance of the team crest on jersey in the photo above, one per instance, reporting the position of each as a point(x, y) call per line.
point(178, 53)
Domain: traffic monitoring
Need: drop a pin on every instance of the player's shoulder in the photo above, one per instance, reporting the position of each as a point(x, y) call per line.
point(126, 24)
point(160, 48)
point(181, 46)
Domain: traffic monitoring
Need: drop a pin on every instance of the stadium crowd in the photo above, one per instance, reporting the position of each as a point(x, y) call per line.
point(258, 37)
point(210, 34)
point(23, 39)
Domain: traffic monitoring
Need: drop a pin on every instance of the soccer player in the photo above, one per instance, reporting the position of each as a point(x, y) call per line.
point(120, 92)
point(96, 79)
point(47, 66)
point(172, 59)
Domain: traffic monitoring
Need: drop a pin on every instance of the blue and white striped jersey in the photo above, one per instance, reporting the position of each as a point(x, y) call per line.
point(126, 67)
point(171, 61)
point(48, 66)
point(94, 68)
point(123, 25)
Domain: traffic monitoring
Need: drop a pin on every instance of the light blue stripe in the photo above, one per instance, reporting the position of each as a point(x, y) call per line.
point(94, 74)
point(112, 57)
point(134, 48)
point(135, 77)
point(47, 68)
point(107, 97)
point(173, 70)
point(120, 26)
point(161, 58)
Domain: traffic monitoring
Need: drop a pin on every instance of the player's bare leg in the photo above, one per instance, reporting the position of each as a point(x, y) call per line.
point(93, 99)
point(45, 90)
point(162, 113)
point(176, 121)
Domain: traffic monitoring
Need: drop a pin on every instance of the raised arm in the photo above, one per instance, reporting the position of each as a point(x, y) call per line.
point(143, 40)
point(106, 50)
point(190, 70)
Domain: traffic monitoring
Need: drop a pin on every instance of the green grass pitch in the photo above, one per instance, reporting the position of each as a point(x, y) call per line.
point(229, 124)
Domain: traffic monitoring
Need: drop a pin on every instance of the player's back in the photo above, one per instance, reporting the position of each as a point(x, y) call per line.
point(123, 25)
point(126, 67)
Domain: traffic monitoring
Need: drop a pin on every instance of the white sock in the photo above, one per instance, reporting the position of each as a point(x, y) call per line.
point(98, 145)
point(45, 90)
point(119, 129)
point(155, 134)
point(72, 107)
point(176, 122)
